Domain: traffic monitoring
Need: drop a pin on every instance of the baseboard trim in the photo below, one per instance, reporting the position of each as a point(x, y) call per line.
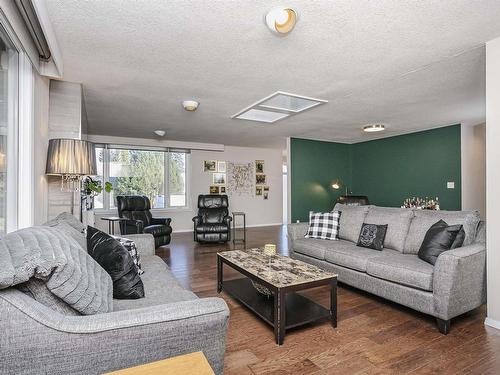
point(492, 323)
point(237, 227)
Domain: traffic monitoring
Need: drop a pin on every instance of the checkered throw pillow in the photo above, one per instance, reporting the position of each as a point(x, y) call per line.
point(132, 250)
point(324, 226)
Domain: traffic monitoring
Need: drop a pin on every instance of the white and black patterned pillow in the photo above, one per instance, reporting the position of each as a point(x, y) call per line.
point(372, 236)
point(132, 250)
point(324, 226)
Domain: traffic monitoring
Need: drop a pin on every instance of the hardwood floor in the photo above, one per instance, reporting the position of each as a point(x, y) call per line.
point(373, 336)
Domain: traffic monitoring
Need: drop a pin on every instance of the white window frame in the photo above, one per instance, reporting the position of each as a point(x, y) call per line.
point(106, 168)
point(20, 166)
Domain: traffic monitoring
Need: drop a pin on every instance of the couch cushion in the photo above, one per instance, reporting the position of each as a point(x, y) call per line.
point(406, 269)
point(351, 220)
point(160, 287)
point(398, 222)
point(347, 254)
point(312, 247)
point(424, 219)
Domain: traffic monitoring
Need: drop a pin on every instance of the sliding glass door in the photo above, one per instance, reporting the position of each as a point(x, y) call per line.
point(9, 77)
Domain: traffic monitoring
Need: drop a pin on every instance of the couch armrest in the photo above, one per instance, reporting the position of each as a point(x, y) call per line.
point(459, 283)
point(161, 221)
point(145, 243)
point(295, 231)
point(105, 342)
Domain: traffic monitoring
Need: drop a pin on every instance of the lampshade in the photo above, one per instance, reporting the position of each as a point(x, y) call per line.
point(71, 157)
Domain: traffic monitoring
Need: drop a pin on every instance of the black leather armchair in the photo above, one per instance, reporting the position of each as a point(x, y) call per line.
point(213, 223)
point(136, 209)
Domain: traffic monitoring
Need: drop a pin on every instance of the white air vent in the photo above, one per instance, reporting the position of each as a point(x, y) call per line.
point(278, 106)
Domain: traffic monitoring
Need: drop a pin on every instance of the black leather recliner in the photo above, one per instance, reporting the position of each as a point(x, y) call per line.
point(136, 209)
point(213, 223)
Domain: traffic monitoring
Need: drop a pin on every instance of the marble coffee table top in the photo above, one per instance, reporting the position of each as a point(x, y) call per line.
point(277, 270)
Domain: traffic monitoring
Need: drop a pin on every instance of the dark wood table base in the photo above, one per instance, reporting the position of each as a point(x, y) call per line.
point(285, 309)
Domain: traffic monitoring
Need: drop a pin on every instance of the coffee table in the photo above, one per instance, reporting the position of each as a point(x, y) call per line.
point(283, 276)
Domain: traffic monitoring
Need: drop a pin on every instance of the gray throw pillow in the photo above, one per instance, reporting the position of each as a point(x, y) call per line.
point(68, 224)
point(37, 289)
point(68, 219)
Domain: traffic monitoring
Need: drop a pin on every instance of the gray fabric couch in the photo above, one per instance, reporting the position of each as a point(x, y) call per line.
point(169, 321)
point(454, 285)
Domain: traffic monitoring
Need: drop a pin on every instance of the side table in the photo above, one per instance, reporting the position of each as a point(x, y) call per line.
point(111, 223)
point(242, 214)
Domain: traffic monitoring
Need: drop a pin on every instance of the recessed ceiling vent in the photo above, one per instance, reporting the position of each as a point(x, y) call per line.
point(277, 106)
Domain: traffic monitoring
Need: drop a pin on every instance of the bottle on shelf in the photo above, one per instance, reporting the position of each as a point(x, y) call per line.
point(436, 206)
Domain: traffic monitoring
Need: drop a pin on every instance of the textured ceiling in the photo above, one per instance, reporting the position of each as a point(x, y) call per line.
point(410, 64)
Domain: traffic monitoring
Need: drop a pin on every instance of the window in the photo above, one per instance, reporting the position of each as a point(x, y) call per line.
point(160, 175)
point(9, 77)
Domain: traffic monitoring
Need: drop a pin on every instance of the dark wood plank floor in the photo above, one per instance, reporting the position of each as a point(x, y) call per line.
point(373, 336)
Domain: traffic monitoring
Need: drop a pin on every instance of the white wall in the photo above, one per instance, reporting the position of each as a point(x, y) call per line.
point(493, 180)
point(259, 212)
point(474, 167)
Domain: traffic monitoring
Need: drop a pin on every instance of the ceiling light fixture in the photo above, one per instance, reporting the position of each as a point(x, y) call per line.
point(160, 133)
point(281, 20)
point(190, 105)
point(372, 128)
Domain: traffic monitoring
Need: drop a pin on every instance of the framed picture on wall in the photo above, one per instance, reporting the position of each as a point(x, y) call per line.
point(210, 166)
point(223, 190)
point(221, 166)
point(214, 190)
point(258, 190)
point(266, 188)
point(260, 179)
point(259, 166)
point(266, 196)
point(219, 179)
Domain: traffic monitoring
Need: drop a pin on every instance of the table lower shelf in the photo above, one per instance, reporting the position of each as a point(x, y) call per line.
point(299, 309)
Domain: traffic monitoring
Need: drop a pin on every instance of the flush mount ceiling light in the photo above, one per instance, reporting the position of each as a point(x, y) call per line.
point(160, 133)
point(190, 105)
point(277, 106)
point(281, 20)
point(372, 128)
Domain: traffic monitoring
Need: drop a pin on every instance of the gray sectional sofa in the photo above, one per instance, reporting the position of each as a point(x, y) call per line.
point(169, 321)
point(454, 285)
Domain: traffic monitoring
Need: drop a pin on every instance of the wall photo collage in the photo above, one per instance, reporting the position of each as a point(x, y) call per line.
point(218, 169)
point(261, 189)
point(240, 176)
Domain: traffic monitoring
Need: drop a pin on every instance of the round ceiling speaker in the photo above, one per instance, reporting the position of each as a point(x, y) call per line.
point(281, 20)
point(190, 105)
point(372, 128)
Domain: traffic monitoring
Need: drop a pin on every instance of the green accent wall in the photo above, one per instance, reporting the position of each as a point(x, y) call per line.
point(314, 167)
point(387, 170)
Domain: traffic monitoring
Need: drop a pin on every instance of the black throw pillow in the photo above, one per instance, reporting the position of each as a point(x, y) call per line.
point(372, 236)
point(439, 238)
point(116, 260)
point(459, 239)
